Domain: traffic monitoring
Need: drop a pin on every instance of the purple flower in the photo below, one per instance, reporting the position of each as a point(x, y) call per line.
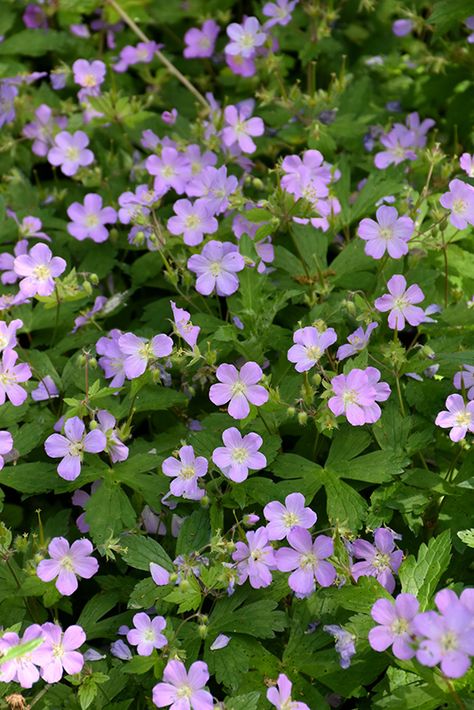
point(185, 473)
point(8, 94)
point(38, 270)
point(114, 447)
point(390, 233)
point(169, 117)
point(87, 316)
point(139, 351)
point(60, 653)
point(469, 22)
point(113, 357)
point(239, 454)
point(134, 206)
point(6, 445)
point(171, 170)
point(418, 129)
point(345, 645)
point(238, 388)
point(10, 376)
point(143, 53)
point(466, 163)
point(193, 221)
point(460, 200)
point(221, 641)
point(22, 669)
point(239, 128)
point(465, 380)
point(396, 625)
point(216, 267)
point(381, 560)
point(282, 519)
point(356, 395)
point(119, 649)
point(279, 12)
point(183, 690)
point(399, 147)
point(241, 66)
point(400, 302)
point(71, 447)
point(310, 170)
point(255, 559)
point(159, 574)
point(58, 79)
point(147, 633)
point(67, 563)
point(214, 186)
point(280, 696)
point(46, 389)
point(89, 75)
point(30, 227)
point(8, 339)
point(308, 560)
point(245, 38)
point(7, 262)
point(401, 28)
point(310, 344)
point(357, 341)
point(200, 42)
point(88, 220)
point(458, 416)
point(184, 327)
point(34, 17)
point(41, 131)
point(70, 152)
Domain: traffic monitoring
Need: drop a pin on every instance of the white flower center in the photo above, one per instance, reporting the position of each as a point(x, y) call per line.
point(76, 448)
point(247, 40)
point(215, 268)
point(92, 220)
point(67, 563)
point(238, 387)
point(168, 171)
point(463, 419)
point(308, 560)
point(449, 641)
point(240, 454)
point(89, 80)
point(459, 206)
point(187, 472)
point(72, 154)
point(381, 561)
point(290, 519)
point(349, 397)
point(313, 352)
point(400, 303)
point(386, 233)
point(42, 272)
point(399, 627)
point(192, 221)
point(3, 342)
point(58, 650)
point(185, 691)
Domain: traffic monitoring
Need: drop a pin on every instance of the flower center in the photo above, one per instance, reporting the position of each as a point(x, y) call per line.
point(313, 352)
point(185, 691)
point(449, 641)
point(215, 268)
point(349, 397)
point(6, 379)
point(187, 472)
point(463, 419)
point(308, 560)
point(256, 555)
point(67, 563)
point(145, 351)
point(240, 454)
point(246, 40)
point(76, 448)
point(168, 171)
point(399, 152)
point(58, 650)
point(400, 627)
point(149, 635)
point(386, 233)
point(72, 154)
point(92, 220)
point(400, 303)
point(459, 206)
point(240, 127)
point(3, 342)
point(192, 221)
point(381, 561)
point(42, 272)
point(89, 80)
point(238, 388)
point(290, 519)
point(204, 42)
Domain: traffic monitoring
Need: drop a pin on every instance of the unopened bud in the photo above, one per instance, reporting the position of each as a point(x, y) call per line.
point(302, 418)
point(291, 411)
point(184, 585)
point(202, 630)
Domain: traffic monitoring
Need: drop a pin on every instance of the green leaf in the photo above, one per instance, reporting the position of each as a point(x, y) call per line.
point(109, 512)
point(257, 619)
point(344, 505)
point(87, 693)
point(378, 185)
point(139, 664)
point(249, 701)
point(187, 595)
point(422, 575)
point(95, 609)
point(143, 550)
point(30, 477)
point(194, 533)
point(34, 43)
point(447, 14)
point(376, 467)
point(467, 537)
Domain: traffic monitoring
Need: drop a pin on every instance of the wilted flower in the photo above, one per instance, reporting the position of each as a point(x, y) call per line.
point(345, 643)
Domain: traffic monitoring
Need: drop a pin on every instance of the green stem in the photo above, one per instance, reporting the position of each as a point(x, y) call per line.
point(399, 392)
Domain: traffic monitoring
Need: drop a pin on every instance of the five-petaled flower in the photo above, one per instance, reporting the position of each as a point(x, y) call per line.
point(239, 388)
point(71, 447)
point(66, 563)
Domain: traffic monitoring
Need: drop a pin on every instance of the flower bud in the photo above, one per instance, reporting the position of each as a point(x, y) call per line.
point(291, 411)
point(302, 418)
point(93, 425)
point(184, 585)
point(202, 631)
point(204, 501)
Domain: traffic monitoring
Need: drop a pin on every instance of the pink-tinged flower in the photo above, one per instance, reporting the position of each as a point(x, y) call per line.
point(10, 376)
point(71, 447)
point(356, 341)
point(8, 339)
point(280, 696)
point(115, 447)
point(216, 267)
point(200, 43)
point(240, 66)
point(396, 625)
point(238, 388)
point(380, 560)
point(239, 454)
point(6, 445)
point(88, 220)
point(41, 130)
point(159, 574)
point(255, 559)
point(30, 227)
point(390, 233)
point(356, 394)
point(113, 357)
point(184, 327)
point(239, 128)
point(67, 563)
point(7, 262)
point(310, 344)
point(143, 53)
point(139, 351)
point(245, 38)
point(186, 471)
point(34, 17)
point(214, 186)
point(458, 416)
point(469, 23)
point(308, 560)
point(466, 163)
point(193, 221)
point(465, 380)
point(183, 690)
point(70, 152)
point(22, 669)
point(147, 633)
point(59, 651)
point(279, 12)
point(460, 200)
point(311, 170)
point(8, 94)
point(37, 270)
point(169, 117)
point(399, 144)
point(89, 75)
point(199, 161)
point(401, 28)
point(171, 170)
point(400, 302)
point(418, 128)
point(282, 519)
point(134, 206)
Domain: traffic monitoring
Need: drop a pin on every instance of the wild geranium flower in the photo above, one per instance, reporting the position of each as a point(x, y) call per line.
point(356, 396)
point(418, 128)
point(86, 316)
point(6, 445)
point(139, 351)
point(401, 28)
point(171, 170)
point(390, 233)
point(30, 227)
point(8, 337)
point(460, 200)
point(38, 269)
point(89, 75)
point(216, 267)
point(8, 94)
point(70, 152)
point(345, 643)
point(239, 128)
point(282, 519)
point(458, 416)
point(113, 357)
point(143, 53)
point(214, 187)
point(396, 625)
point(399, 147)
point(380, 560)
point(135, 206)
point(357, 341)
point(183, 690)
point(466, 163)
point(465, 380)
point(193, 221)
point(88, 220)
point(238, 388)
point(400, 302)
point(310, 169)
point(239, 454)
point(186, 471)
point(59, 653)
point(67, 563)
point(24, 668)
point(241, 66)
point(7, 261)
point(184, 327)
point(310, 344)
point(159, 574)
point(10, 376)
point(71, 447)
point(308, 560)
point(41, 130)
point(114, 446)
point(280, 696)
point(147, 633)
point(255, 559)
point(200, 43)
point(279, 12)
point(245, 38)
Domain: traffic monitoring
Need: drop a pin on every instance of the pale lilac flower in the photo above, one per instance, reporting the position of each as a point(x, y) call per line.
point(6, 446)
point(22, 669)
point(8, 339)
point(184, 327)
point(143, 53)
point(147, 633)
point(46, 389)
point(279, 12)
point(134, 206)
point(71, 447)
point(238, 388)
point(469, 22)
point(171, 170)
point(41, 130)
point(113, 357)
point(239, 454)
point(460, 200)
point(34, 17)
point(159, 574)
point(10, 376)
point(70, 152)
point(221, 641)
point(89, 75)
point(241, 66)
point(183, 690)
point(139, 351)
point(357, 341)
point(8, 94)
point(216, 267)
point(310, 344)
point(306, 560)
point(345, 645)
point(87, 316)
point(466, 163)
point(30, 227)
point(255, 559)
point(59, 651)
point(119, 649)
point(80, 30)
point(169, 117)
point(214, 186)
point(401, 28)
point(88, 220)
point(380, 560)
point(193, 221)
point(282, 519)
point(115, 446)
point(200, 43)
point(58, 79)
point(396, 625)
point(390, 233)
point(400, 302)
point(458, 416)
point(398, 144)
point(66, 563)
point(186, 471)
point(7, 262)
point(356, 396)
point(418, 128)
point(310, 170)
point(38, 269)
point(280, 696)
point(239, 128)
point(465, 380)
point(199, 161)
point(245, 38)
